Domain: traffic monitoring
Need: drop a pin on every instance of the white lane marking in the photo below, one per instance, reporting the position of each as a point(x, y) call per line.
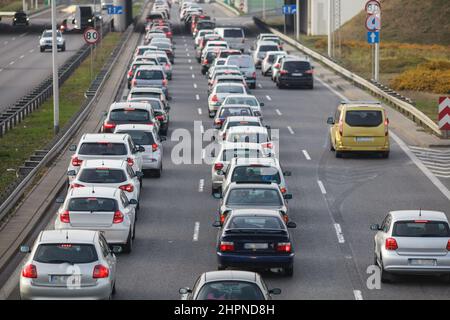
point(199, 111)
point(189, 60)
point(190, 67)
point(32, 50)
point(22, 56)
point(197, 97)
point(290, 130)
point(23, 34)
point(202, 129)
point(358, 295)
point(196, 231)
point(201, 185)
point(260, 85)
point(5, 43)
point(269, 98)
point(187, 49)
point(195, 85)
point(203, 153)
point(11, 63)
point(14, 38)
point(306, 154)
point(193, 76)
point(321, 186)
point(340, 95)
point(278, 112)
point(187, 54)
point(339, 233)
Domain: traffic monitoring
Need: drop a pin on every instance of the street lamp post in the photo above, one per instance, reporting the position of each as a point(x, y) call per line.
point(55, 72)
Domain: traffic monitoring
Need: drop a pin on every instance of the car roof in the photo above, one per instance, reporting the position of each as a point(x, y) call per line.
point(246, 129)
point(264, 185)
point(260, 161)
point(258, 212)
point(226, 84)
point(276, 52)
point(130, 104)
point(145, 89)
point(400, 215)
point(359, 104)
point(103, 192)
point(241, 96)
point(137, 127)
point(235, 275)
point(244, 118)
point(149, 67)
point(105, 163)
point(64, 236)
point(230, 76)
point(217, 42)
point(296, 58)
point(264, 43)
point(109, 137)
point(240, 145)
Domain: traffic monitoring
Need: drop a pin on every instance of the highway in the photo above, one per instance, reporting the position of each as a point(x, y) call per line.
point(335, 200)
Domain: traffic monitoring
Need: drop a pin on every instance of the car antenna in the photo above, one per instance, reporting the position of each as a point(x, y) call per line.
point(93, 191)
point(420, 212)
point(67, 235)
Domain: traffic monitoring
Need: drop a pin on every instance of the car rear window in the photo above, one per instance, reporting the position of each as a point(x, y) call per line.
point(150, 75)
point(421, 228)
point(296, 66)
point(256, 196)
point(138, 94)
point(255, 222)
point(66, 253)
point(130, 115)
point(242, 100)
point(255, 174)
point(163, 60)
point(230, 290)
point(229, 154)
point(230, 89)
point(233, 33)
point(240, 61)
point(228, 112)
point(243, 123)
point(228, 80)
point(266, 48)
point(103, 149)
point(248, 137)
point(92, 204)
point(364, 118)
point(140, 137)
point(102, 175)
point(156, 104)
point(205, 25)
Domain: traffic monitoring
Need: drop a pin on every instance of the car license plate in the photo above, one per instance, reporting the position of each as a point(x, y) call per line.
point(423, 262)
point(297, 74)
point(256, 246)
point(364, 139)
point(58, 279)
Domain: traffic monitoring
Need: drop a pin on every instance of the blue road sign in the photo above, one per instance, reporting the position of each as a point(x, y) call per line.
point(115, 9)
point(373, 37)
point(289, 9)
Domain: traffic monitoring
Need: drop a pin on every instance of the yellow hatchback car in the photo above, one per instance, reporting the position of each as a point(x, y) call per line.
point(359, 126)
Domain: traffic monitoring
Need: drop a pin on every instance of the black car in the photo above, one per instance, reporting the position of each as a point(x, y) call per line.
point(295, 72)
point(255, 239)
point(21, 19)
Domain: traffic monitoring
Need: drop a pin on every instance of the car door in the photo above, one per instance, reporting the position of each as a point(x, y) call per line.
point(381, 235)
point(335, 127)
point(136, 155)
point(109, 256)
point(131, 175)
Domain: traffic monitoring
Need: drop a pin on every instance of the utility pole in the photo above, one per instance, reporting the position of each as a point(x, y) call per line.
point(330, 27)
point(55, 72)
point(264, 10)
point(297, 21)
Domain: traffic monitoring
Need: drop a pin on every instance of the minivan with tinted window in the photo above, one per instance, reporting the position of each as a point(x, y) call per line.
point(234, 36)
point(295, 72)
point(359, 126)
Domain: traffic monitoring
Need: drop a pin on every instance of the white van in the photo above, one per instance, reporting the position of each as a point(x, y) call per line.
point(234, 36)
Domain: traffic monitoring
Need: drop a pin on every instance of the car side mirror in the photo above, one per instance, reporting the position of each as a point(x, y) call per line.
point(275, 291)
point(217, 224)
point(267, 127)
point(287, 173)
point(287, 196)
point(217, 196)
point(375, 227)
point(162, 139)
point(71, 173)
point(25, 249)
point(59, 200)
point(261, 104)
point(217, 126)
point(73, 148)
point(330, 120)
point(184, 290)
point(141, 149)
point(133, 202)
point(291, 224)
point(139, 174)
point(117, 249)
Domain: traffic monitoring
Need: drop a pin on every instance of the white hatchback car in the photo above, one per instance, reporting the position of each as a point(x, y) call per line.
point(219, 92)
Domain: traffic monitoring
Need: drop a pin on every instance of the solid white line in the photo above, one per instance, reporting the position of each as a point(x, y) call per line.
point(12, 62)
point(358, 295)
point(306, 155)
point(339, 234)
point(21, 57)
point(195, 85)
point(187, 54)
point(201, 185)
point(269, 98)
point(199, 111)
point(290, 130)
point(321, 186)
point(278, 112)
point(260, 85)
point(189, 60)
point(196, 231)
point(197, 97)
point(190, 67)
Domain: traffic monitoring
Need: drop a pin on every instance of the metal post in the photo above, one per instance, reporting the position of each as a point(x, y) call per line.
point(92, 62)
point(298, 20)
point(264, 10)
point(330, 27)
point(284, 16)
point(377, 62)
point(55, 72)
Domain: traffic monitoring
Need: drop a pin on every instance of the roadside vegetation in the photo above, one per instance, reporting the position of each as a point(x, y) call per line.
point(10, 5)
point(37, 129)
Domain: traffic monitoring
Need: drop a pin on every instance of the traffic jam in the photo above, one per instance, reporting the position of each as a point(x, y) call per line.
point(97, 218)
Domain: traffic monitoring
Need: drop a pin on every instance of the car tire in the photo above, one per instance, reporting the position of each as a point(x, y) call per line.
point(338, 154)
point(385, 155)
point(216, 190)
point(128, 247)
point(42, 49)
point(289, 271)
point(63, 48)
point(203, 72)
point(157, 173)
point(253, 86)
point(331, 146)
point(113, 292)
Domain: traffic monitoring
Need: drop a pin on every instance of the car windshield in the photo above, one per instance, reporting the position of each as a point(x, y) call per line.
point(150, 75)
point(206, 25)
point(233, 33)
point(265, 48)
point(240, 61)
point(140, 137)
point(92, 204)
point(243, 123)
point(156, 104)
point(229, 154)
point(102, 175)
point(230, 89)
point(248, 137)
point(249, 101)
point(255, 222)
point(296, 66)
point(230, 290)
point(48, 34)
point(364, 118)
point(256, 174)
point(421, 228)
point(103, 149)
point(130, 115)
point(163, 60)
point(254, 197)
point(228, 112)
point(65, 253)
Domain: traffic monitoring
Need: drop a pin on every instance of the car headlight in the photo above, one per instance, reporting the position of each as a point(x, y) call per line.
point(28, 19)
point(90, 20)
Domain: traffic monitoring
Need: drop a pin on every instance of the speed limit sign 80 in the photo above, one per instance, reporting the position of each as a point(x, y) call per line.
point(91, 36)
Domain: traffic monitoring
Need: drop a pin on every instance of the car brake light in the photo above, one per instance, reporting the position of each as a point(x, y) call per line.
point(286, 218)
point(29, 271)
point(65, 217)
point(218, 121)
point(226, 246)
point(386, 127)
point(100, 271)
point(309, 71)
point(109, 125)
point(130, 161)
point(154, 147)
point(167, 66)
point(254, 75)
point(341, 127)
point(214, 98)
point(218, 166)
point(160, 118)
point(76, 162)
point(284, 247)
point(76, 185)
point(277, 66)
point(130, 74)
point(127, 187)
point(267, 145)
point(391, 244)
point(133, 83)
point(282, 72)
point(164, 82)
point(448, 245)
point(205, 61)
point(283, 190)
point(222, 218)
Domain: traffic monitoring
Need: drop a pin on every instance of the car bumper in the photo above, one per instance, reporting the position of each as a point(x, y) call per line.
point(214, 107)
point(395, 263)
point(250, 80)
point(28, 291)
point(295, 81)
point(148, 164)
point(113, 235)
point(255, 261)
point(367, 149)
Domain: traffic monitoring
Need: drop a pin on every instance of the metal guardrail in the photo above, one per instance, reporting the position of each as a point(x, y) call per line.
point(60, 141)
point(30, 102)
point(406, 108)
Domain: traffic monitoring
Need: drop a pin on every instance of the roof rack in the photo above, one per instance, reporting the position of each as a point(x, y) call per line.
point(360, 102)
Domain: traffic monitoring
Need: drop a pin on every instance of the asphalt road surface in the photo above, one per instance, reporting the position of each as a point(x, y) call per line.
point(335, 200)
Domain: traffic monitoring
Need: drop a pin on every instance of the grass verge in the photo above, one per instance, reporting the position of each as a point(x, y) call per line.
point(37, 129)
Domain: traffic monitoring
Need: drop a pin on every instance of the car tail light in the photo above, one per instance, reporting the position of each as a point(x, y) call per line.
point(160, 118)
point(286, 218)
point(309, 71)
point(127, 187)
point(222, 219)
point(100, 271)
point(130, 74)
point(130, 161)
point(226, 246)
point(277, 66)
point(284, 247)
point(164, 82)
point(215, 98)
point(167, 66)
point(391, 244)
point(448, 245)
point(65, 217)
point(218, 121)
point(282, 72)
point(133, 83)
point(109, 125)
point(267, 145)
point(341, 127)
point(218, 166)
point(76, 185)
point(205, 61)
point(76, 162)
point(154, 147)
point(169, 34)
point(386, 127)
point(29, 271)
point(254, 74)
point(283, 190)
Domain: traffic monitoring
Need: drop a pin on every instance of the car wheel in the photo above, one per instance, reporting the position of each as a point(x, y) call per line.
point(157, 173)
point(216, 190)
point(338, 154)
point(385, 155)
point(331, 146)
point(63, 48)
point(113, 289)
point(253, 86)
point(42, 49)
point(203, 71)
point(127, 247)
point(211, 115)
point(289, 271)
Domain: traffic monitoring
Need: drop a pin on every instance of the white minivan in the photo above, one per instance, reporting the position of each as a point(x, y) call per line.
point(235, 37)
